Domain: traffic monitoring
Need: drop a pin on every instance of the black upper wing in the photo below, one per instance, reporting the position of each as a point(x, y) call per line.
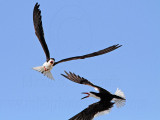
point(90, 112)
point(100, 52)
point(39, 29)
point(76, 78)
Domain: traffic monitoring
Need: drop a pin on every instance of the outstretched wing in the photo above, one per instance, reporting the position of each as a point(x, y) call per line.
point(39, 29)
point(93, 111)
point(100, 52)
point(76, 78)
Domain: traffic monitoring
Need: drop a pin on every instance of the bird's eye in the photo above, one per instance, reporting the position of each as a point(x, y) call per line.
point(51, 62)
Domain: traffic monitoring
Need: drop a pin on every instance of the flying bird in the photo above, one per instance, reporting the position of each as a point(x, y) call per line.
point(103, 106)
point(50, 62)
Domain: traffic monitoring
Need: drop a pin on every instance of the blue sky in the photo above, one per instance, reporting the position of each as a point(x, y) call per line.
point(77, 27)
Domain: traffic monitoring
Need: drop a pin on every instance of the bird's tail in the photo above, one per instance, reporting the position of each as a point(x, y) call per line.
point(42, 70)
point(119, 98)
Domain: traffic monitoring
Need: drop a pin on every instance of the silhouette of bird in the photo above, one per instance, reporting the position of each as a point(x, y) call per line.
point(103, 106)
point(50, 62)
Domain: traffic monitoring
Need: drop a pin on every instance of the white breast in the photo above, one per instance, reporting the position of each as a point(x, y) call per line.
point(48, 65)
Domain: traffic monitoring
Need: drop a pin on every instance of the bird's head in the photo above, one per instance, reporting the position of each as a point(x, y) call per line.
point(91, 94)
point(51, 61)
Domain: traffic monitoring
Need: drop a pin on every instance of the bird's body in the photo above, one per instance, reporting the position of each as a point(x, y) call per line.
point(46, 67)
point(103, 106)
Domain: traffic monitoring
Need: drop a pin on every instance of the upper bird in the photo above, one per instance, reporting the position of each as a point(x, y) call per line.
point(50, 62)
point(103, 106)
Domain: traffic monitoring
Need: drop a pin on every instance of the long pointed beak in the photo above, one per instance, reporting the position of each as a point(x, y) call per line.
point(85, 96)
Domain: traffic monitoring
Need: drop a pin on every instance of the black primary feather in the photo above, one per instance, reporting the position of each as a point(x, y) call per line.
point(76, 78)
point(37, 20)
point(100, 52)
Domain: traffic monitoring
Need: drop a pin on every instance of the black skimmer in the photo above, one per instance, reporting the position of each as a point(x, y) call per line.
point(103, 106)
point(50, 62)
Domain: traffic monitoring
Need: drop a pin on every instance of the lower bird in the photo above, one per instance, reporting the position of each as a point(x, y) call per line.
point(101, 107)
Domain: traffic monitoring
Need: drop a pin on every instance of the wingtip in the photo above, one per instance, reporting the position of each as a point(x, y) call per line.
point(118, 45)
point(65, 71)
point(64, 75)
point(36, 5)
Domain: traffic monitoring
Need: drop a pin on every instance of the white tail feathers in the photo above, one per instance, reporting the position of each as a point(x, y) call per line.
point(39, 68)
point(48, 74)
point(119, 102)
point(42, 70)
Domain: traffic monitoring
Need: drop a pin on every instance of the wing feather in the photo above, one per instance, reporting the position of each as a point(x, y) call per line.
point(100, 52)
point(92, 110)
point(37, 20)
point(76, 78)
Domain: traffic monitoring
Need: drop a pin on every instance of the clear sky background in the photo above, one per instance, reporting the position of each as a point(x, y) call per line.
point(77, 27)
